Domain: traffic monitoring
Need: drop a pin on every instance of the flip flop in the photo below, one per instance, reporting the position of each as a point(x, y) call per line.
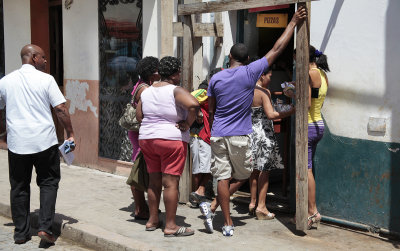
point(180, 233)
point(160, 223)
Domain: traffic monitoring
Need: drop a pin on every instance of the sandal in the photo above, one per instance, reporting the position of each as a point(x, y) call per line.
point(264, 216)
point(182, 231)
point(159, 225)
point(252, 210)
point(314, 219)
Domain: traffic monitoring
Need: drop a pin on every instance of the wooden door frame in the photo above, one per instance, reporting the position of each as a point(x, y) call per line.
point(189, 29)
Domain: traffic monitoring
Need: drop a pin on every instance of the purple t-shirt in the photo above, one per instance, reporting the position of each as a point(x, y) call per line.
point(233, 90)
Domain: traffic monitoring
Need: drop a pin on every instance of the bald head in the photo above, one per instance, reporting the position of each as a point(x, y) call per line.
point(34, 55)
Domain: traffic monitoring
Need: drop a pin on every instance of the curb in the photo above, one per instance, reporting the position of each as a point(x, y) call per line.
point(88, 235)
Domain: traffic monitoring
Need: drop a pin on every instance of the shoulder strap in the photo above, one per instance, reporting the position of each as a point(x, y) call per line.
point(137, 90)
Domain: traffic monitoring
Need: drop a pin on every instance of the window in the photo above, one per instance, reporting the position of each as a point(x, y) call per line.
point(120, 31)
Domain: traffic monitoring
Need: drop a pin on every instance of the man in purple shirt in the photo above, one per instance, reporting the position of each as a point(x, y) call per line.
point(230, 97)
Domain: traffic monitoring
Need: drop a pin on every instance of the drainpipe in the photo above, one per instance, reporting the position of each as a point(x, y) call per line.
point(372, 229)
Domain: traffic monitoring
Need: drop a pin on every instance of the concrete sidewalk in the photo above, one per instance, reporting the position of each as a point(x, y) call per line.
point(94, 208)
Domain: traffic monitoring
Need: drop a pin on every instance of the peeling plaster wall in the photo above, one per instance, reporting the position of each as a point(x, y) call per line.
point(81, 76)
point(17, 31)
point(364, 56)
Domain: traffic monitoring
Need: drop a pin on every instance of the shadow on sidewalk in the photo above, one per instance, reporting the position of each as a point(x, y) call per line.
point(60, 221)
point(286, 221)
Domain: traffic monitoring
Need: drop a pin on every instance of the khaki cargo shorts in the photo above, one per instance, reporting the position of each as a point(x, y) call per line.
point(231, 157)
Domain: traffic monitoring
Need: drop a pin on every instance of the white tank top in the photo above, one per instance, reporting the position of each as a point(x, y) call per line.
point(160, 115)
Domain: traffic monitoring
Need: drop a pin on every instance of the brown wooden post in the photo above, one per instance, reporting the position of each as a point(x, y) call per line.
point(302, 61)
point(185, 183)
point(167, 14)
point(197, 52)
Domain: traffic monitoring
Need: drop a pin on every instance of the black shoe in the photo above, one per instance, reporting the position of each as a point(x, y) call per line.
point(49, 238)
point(22, 241)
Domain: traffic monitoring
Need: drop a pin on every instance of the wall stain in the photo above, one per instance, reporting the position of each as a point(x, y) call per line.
point(76, 92)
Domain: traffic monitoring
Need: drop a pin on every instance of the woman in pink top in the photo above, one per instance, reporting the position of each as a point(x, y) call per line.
point(147, 68)
point(166, 112)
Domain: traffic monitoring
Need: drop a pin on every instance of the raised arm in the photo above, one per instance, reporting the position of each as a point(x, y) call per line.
point(62, 114)
point(283, 41)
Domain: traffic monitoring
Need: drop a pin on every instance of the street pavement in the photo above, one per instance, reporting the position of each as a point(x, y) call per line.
point(94, 209)
point(7, 241)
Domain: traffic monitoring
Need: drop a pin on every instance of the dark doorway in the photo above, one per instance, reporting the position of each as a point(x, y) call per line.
point(56, 52)
point(259, 40)
point(56, 41)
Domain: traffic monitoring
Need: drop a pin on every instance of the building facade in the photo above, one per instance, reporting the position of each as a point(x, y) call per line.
point(94, 45)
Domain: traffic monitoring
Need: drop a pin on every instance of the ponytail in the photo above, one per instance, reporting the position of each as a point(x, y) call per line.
point(319, 58)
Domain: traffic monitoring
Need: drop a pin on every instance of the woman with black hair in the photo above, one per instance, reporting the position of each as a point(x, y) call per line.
point(264, 146)
point(147, 68)
point(318, 88)
point(166, 112)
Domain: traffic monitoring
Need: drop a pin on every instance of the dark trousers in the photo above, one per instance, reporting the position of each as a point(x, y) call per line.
point(47, 166)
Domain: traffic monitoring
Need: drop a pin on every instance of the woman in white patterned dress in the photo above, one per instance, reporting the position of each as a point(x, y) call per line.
point(264, 146)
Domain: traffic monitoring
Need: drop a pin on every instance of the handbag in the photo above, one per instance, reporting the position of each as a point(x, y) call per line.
point(128, 119)
point(139, 177)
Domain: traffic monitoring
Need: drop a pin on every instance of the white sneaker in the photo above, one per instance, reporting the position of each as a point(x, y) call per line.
point(227, 230)
point(205, 209)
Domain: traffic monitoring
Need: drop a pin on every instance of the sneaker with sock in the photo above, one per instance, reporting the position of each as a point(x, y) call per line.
point(205, 209)
point(227, 230)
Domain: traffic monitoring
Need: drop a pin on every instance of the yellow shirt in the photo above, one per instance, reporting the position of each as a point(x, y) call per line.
point(314, 113)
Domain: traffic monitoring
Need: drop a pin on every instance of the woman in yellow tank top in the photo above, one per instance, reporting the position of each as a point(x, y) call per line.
point(317, 93)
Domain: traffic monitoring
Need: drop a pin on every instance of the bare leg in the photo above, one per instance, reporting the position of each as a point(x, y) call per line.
point(171, 184)
point(253, 188)
point(233, 187)
point(263, 181)
point(141, 209)
point(203, 179)
point(223, 199)
point(312, 206)
point(154, 195)
point(196, 181)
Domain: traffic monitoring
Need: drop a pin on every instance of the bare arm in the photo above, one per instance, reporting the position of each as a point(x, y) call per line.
point(269, 110)
point(190, 103)
point(62, 114)
point(283, 41)
point(211, 110)
point(314, 82)
point(139, 112)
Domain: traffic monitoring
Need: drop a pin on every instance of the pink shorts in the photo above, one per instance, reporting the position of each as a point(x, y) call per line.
point(165, 156)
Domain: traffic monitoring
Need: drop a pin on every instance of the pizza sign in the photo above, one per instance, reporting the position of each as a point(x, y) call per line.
point(272, 20)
